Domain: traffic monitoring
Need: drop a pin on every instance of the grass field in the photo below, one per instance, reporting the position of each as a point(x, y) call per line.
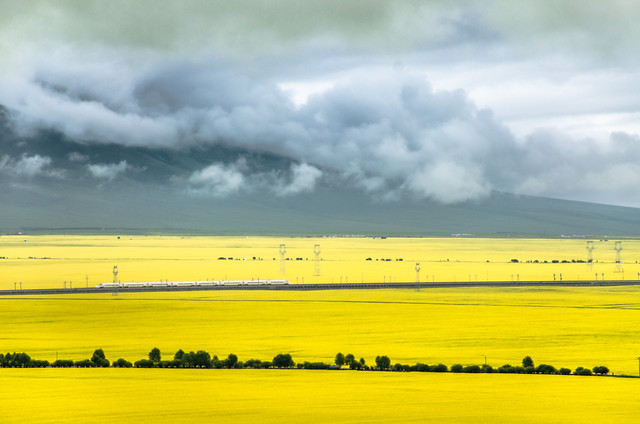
point(59, 261)
point(276, 396)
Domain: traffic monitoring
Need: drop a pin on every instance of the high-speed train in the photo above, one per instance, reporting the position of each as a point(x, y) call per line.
point(195, 283)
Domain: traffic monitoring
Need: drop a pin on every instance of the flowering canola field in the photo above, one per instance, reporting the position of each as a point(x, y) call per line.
point(561, 326)
point(77, 261)
point(282, 396)
point(564, 327)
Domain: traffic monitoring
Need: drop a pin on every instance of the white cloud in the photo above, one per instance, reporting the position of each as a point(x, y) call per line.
point(303, 179)
point(107, 171)
point(29, 166)
point(448, 183)
point(77, 157)
point(217, 180)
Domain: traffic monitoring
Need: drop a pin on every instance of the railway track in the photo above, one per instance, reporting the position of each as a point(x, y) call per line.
point(328, 286)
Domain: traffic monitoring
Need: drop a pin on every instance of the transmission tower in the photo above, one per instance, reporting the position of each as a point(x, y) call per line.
point(618, 249)
point(283, 250)
point(316, 267)
point(590, 254)
point(115, 274)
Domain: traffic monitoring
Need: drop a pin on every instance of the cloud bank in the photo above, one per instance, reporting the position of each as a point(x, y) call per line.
point(438, 100)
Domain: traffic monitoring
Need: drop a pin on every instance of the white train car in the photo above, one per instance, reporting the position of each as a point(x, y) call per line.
point(194, 283)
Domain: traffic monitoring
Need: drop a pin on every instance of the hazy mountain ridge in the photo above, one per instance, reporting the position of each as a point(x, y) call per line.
point(150, 195)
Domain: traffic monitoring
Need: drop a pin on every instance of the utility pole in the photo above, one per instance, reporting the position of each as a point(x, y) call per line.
point(283, 251)
point(316, 252)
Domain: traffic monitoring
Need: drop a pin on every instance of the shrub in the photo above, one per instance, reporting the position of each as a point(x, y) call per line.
point(85, 363)
point(314, 365)
point(401, 367)
point(582, 371)
point(144, 363)
point(487, 369)
point(253, 363)
point(421, 367)
point(121, 363)
point(438, 368)
point(602, 370)
point(62, 363)
point(564, 371)
point(472, 369)
point(506, 369)
point(546, 369)
point(456, 368)
point(356, 365)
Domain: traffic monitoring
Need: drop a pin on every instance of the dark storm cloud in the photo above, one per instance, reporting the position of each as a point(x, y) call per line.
point(390, 135)
point(174, 75)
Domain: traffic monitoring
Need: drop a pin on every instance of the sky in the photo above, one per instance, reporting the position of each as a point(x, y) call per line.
point(446, 101)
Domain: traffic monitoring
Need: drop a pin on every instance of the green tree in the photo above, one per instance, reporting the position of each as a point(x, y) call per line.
point(232, 360)
point(283, 361)
point(99, 359)
point(202, 359)
point(339, 359)
point(383, 362)
point(178, 356)
point(349, 359)
point(154, 355)
point(527, 362)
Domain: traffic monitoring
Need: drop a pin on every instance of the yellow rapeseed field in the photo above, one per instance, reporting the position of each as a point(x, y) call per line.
point(564, 327)
point(290, 396)
point(77, 261)
point(561, 326)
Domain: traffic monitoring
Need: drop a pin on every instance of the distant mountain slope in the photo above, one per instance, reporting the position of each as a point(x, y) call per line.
point(322, 213)
point(62, 194)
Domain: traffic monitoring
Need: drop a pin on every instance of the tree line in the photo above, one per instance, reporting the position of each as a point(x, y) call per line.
point(202, 359)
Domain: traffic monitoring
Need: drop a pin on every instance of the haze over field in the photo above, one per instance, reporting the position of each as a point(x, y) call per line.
point(288, 116)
